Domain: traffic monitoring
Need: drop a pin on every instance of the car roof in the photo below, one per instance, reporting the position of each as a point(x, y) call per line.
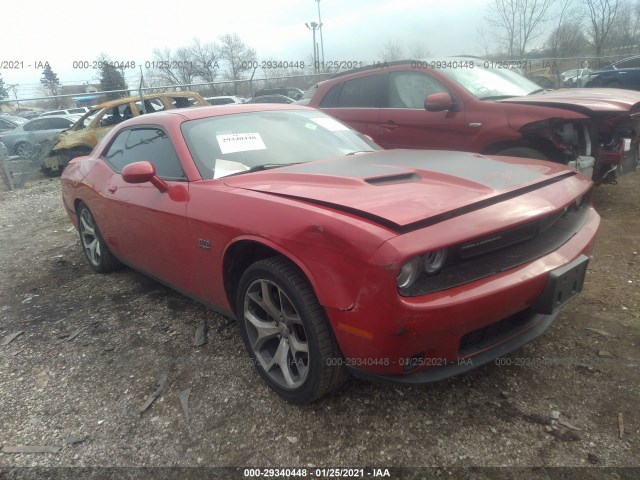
point(150, 96)
point(195, 113)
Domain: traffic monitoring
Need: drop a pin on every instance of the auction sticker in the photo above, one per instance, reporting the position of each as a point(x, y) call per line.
point(240, 142)
point(330, 124)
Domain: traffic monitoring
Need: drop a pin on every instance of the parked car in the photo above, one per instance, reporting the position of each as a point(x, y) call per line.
point(333, 255)
point(223, 100)
point(97, 122)
point(294, 93)
point(576, 78)
point(9, 122)
point(628, 62)
point(628, 78)
point(23, 139)
point(270, 99)
point(486, 109)
point(68, 111)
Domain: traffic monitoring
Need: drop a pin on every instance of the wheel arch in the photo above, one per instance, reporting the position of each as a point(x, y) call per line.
point(244, 252)
point(542, 145)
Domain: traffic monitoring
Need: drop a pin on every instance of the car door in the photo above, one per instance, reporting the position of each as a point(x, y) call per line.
point(404, 122)
point(145, 227)
point(357, 103)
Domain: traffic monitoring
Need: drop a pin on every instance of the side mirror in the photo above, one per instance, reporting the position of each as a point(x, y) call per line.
point(141, 172)
point(438, 102)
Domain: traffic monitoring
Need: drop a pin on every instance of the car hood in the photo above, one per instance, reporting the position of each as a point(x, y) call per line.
point(405, 189)
point(584, 100)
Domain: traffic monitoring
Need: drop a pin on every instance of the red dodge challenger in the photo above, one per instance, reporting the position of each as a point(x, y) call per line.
point(333, 255)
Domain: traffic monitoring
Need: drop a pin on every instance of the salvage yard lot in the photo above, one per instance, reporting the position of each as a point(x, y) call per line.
point(93, 346)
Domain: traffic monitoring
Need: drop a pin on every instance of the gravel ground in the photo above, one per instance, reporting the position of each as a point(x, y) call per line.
point(93, 347)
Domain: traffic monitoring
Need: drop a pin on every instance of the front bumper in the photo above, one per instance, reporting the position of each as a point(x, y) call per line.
point(441, 334)
point(442, 369)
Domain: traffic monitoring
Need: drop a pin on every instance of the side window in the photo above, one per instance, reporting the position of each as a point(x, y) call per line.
point(362, 92)
point(630, 63)
point(182, 102)
point(409, 89)
point(153, 145)
point(115, 153)
point(38, 124)
point(59, 123)
point(331, 97)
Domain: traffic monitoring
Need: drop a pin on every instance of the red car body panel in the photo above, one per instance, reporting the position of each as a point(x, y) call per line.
point(491, 126)
point(349, 231)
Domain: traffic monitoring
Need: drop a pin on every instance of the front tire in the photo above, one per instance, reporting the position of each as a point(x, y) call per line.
point(25, 150)
point(286, 332)
point(95, 248)
point(524, 152)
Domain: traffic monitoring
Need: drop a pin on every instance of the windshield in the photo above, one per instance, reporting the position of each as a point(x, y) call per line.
point(228, 144)
point(491, 83)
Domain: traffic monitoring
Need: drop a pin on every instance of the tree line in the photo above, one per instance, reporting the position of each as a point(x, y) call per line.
point(572, 27)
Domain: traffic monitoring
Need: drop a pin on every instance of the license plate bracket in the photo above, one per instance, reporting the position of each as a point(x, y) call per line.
point(563, 284)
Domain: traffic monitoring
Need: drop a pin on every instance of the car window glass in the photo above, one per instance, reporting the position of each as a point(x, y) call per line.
point(115, 153)
point(59, 123)
point(630, 63)
point(35, 125)
point(182, 102)
point(153, 145)
point(362, 92)
point(4, 124)
point(409, 89)
point(331, 97)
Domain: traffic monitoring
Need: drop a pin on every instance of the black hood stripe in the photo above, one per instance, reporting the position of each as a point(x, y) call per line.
point(441, 217)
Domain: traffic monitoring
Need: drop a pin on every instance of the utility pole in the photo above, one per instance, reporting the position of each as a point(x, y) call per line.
point(313, 26)
point(321, 41)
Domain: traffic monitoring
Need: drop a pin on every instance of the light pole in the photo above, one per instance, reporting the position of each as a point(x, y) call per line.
point(321, 41)
point(313, 26)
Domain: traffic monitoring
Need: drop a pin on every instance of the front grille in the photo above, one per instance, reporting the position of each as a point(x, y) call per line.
point(486, 256)
point(485, 337)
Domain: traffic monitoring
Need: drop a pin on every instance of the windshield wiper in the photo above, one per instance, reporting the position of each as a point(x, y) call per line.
point(536, 91)
point(496, 97)
point(264, 166)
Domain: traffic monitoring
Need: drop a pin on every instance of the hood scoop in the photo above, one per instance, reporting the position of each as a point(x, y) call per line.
point(392, 179)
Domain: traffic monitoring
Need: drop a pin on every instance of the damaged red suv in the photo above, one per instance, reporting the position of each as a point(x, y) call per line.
point(483, 106)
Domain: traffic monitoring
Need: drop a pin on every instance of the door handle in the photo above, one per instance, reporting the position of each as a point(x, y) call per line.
point(112, 188)
point(391, 125)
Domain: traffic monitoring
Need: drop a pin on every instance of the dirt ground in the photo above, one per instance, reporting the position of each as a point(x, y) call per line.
point(94, 346)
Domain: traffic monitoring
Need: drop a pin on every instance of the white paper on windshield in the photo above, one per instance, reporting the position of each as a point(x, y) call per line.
point(227, 167)
point(240, 142)
point(330, 124)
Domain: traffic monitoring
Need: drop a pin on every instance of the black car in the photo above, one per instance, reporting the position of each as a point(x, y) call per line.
point(294, 93)
point(271, 99)
point(624, 73)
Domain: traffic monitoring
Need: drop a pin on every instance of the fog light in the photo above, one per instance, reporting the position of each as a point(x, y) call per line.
point(434, 261)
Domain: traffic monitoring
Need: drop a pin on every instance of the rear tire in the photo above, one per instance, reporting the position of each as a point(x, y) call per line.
point(286, 332)
point(95, 248)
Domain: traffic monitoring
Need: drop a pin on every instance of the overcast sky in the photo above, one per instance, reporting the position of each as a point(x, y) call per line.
point(65, 31)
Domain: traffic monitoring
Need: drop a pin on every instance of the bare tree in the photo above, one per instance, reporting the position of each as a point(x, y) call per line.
point(564, 9)
point(623, 36)
point(238, 57)
point(419, 50)
point(391, 51)
point(518, 22)
point(567, 40)
point(484, 40)
point(205, 58)
point(601, 16)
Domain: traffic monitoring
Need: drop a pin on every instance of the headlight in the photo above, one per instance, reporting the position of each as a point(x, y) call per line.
point(434, 261)
point(409, 273)
point(429, 263)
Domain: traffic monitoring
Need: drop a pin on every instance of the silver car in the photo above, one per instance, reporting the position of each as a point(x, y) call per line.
point(23, 139)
